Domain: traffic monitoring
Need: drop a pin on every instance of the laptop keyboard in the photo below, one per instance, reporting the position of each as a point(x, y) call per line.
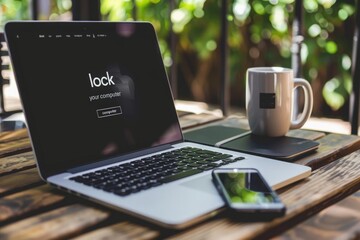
point(145, 173)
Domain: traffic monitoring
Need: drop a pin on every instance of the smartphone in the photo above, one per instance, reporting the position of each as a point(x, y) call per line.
point(246, 191)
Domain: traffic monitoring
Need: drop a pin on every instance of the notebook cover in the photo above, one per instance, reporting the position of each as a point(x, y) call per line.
point(283, 148)
point(212, 134)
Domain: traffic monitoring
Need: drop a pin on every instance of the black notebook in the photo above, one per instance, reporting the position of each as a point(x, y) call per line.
point(214, 135)
point(283, 148)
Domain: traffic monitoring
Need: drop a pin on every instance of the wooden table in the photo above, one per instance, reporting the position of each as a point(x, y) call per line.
point(30, 209)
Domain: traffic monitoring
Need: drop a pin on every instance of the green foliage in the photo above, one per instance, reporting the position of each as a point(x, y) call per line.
point(20, 10)
point(13, 10)
point(329, 43)
point(260, 34)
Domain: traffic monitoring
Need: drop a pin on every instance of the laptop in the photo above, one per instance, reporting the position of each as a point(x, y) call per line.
point(103, 125)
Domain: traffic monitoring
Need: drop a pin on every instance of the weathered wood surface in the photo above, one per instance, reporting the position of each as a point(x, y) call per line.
point(338, 178)
point(31, 210)
point(340, 221)
point(60, 223)
point(13, 135)
point(188, 121)
point(17, 162)
point(123, 230)
point(13, 142)
point(19, 180)
point(332, 146)
point(11, 147)
point(327, 184)
point(28, 201)
point(307, 134)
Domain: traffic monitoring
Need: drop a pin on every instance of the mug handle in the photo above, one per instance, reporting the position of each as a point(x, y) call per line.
point(308, 105)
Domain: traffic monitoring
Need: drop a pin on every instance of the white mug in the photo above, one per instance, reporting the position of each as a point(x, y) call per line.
point(270, 101)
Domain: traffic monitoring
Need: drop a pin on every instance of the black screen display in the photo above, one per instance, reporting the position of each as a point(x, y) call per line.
point(91, 91)
point(246, 187)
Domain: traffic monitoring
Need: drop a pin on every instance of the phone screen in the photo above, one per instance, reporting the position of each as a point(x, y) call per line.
point(245, 189)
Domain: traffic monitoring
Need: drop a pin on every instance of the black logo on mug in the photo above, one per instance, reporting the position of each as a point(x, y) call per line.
point(267, 100)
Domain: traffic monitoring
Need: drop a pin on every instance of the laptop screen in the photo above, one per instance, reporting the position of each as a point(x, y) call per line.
point(91, 91)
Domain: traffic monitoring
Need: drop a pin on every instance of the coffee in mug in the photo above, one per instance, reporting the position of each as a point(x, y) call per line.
point(270, 100)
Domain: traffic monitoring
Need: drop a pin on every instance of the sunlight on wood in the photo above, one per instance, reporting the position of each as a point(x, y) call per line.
point(328, 125)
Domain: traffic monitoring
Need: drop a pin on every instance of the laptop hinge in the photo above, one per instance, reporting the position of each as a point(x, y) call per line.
point(119, 159)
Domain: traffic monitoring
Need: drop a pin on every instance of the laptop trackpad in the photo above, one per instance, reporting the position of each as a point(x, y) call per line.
point(203, 184)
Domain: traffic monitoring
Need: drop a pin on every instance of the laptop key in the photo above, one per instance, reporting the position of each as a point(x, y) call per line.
point(180, 175)
point(205, 168)
point(228, 160)
point(213, 165)
point(238, 159)
point(123, 192)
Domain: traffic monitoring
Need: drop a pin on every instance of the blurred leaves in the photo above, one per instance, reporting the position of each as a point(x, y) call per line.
point(260, 34)
point(334, 91)
point(13, 9)
point(20, 10)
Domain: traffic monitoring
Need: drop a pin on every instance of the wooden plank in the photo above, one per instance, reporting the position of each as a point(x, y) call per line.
point(13, 135)
point(13, 147)
point(123, 230)
point(19, 180)
point(337, 180)
point(306, 134)
point(192, 120)
point(332, 146)
point(28, 201)
point(236, 121)
point(193, 114)
point(16, 163)
point(340, 221)
point(60, 223)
